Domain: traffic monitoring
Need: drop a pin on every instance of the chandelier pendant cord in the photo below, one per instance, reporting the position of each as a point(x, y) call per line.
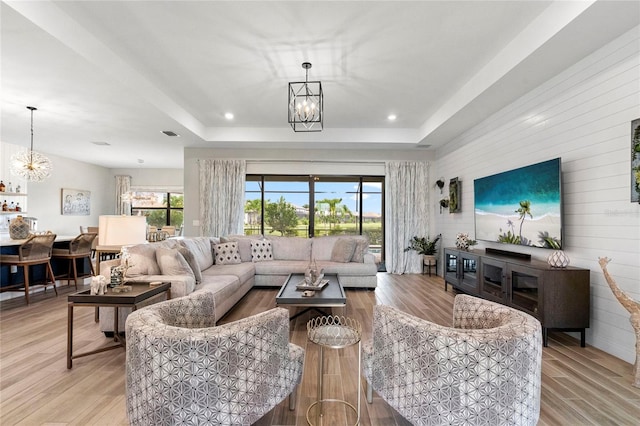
point(31, 150)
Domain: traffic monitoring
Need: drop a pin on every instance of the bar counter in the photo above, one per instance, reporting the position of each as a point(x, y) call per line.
point(9, 246)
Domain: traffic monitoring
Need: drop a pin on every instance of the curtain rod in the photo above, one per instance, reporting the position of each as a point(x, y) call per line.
point(318, 161)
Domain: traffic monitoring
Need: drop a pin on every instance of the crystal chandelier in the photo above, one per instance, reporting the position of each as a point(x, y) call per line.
point(305, 104)
point(31, 165)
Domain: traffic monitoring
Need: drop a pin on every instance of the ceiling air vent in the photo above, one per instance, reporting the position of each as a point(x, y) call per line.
point(170, 133)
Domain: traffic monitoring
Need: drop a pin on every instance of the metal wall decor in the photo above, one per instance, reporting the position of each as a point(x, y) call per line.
point(305, 104)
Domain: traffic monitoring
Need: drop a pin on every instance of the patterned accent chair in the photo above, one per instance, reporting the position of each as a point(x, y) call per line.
point(485, 370)
point(182, 369)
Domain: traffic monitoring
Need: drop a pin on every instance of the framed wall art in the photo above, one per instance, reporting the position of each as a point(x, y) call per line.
point(454, 195)
point(635, 161)
point(76, 202)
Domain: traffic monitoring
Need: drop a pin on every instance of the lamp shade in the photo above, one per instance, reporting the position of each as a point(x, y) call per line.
point(116, 230)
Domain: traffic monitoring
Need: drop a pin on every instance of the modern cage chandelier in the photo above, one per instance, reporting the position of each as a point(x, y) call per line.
point(305, 104)
point(31, 165)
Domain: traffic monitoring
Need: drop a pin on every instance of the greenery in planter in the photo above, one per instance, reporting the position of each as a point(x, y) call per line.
point(423, 245)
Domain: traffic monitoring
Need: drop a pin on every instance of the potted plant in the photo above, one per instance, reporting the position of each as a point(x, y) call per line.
point(425, 247)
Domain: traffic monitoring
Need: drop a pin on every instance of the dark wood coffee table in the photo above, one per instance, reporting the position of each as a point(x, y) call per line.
point(140, 292)
point(331, 296)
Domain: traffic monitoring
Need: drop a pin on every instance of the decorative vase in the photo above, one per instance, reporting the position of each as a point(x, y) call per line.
point(462, 241)
point(18, 228)
point(117, 276)
point(558, 259)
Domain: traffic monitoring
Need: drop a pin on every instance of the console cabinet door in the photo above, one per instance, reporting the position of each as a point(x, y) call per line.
point(468, 267)
point(525, 289)
point(451, 267)
point(493, 280)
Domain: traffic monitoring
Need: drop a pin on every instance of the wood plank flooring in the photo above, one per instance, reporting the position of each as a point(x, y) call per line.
point(580, 386)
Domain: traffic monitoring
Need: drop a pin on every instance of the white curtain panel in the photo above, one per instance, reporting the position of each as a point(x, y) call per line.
point(406, 213)
point(123, 187)
point(222, 186)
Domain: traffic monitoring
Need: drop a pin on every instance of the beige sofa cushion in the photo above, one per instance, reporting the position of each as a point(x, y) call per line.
point(290, 248)
point(191, 260)
point(343, 249)
point(171, 262)
point(142, 260)
point(362, 247)
point(200, 247)
point(322, 247)
point(244, 271)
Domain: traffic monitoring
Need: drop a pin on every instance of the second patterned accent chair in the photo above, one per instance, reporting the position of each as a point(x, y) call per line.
point(182, 369)
point(485, 370)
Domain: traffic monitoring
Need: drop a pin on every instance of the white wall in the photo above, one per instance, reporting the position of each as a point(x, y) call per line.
point(44, 199)
point(291, 162)
point(582, 115)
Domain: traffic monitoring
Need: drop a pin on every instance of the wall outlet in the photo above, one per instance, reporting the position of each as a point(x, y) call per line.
point(196, 222)
point(14, 269)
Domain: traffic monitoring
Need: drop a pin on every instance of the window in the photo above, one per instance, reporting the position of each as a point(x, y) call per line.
point(342, 205)
point(160, 208)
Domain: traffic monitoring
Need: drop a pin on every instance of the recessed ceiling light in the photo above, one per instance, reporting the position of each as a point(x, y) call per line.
point(170, 133)
point(228, 115)
point(101, 143)
point(140, 161)
point(391, 117)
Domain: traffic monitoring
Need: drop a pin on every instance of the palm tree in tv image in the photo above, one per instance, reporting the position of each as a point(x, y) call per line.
point(524, 210)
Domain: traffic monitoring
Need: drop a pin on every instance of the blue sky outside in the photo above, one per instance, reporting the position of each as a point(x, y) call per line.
point(297, 193)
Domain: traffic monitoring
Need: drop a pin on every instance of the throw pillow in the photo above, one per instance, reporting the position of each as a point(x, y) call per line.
point(261, 250)
point(227, 253)
point(362, 247)
point(193, 263)
point(142, 260)
point(201, 249)
point(244, 244)
point(343, 250)
point(171, 262)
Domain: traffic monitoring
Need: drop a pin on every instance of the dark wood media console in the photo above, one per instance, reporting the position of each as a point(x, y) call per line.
point(558, 297)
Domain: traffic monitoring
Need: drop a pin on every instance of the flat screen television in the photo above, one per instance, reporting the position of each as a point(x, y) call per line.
point(521, 206)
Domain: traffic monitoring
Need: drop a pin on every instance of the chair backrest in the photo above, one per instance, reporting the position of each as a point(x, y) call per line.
point(82, 243)
point(93, 230)
point(171, 230)
point(37, 247)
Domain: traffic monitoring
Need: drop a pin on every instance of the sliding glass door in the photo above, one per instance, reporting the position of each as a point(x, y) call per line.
point(316, 205)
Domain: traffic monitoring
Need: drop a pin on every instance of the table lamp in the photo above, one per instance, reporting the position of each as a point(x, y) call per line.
point(116, 230)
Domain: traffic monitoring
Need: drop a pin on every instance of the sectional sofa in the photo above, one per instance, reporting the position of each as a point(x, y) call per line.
point(230, 266)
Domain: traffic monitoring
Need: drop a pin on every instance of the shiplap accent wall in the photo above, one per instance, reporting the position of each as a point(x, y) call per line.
point(582, 115)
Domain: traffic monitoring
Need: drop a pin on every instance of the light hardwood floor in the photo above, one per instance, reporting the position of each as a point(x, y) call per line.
point(580, 386)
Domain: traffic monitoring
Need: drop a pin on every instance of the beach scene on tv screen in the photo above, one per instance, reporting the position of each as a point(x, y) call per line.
point(521, 206)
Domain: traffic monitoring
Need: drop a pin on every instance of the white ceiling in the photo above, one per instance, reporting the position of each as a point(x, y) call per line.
point(123, 71)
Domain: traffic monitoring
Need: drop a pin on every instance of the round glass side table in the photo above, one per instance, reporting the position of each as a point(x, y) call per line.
point(335, 332)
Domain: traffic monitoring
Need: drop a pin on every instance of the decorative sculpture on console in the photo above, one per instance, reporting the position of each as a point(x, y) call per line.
point(99, 284)
point(634, 309)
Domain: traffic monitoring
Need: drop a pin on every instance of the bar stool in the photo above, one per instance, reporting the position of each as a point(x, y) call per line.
point(35, 251)
point(79, 248)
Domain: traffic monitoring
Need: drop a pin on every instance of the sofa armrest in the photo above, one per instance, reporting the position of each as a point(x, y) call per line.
point(369, 258)
point(105, 267)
